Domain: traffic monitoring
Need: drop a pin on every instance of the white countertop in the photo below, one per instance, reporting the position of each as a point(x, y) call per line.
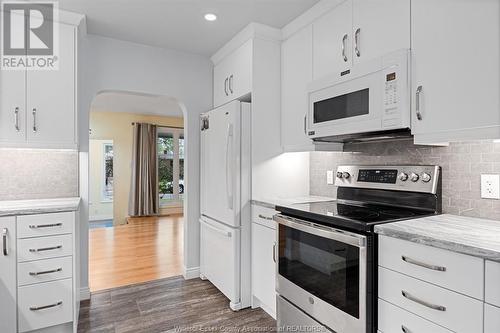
point(468, 235)
point(273, 202)
point(38, 206)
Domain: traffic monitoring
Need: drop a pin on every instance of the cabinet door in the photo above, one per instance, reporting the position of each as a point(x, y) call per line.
point(221, 90)
point(332, 40)
point(264, 267)
point(379, 27)
point(8, 283)
point(51, 96)
point(456, 47)
point(491, 319)
point(12, 106)
point(296, 56)
point(240, 71)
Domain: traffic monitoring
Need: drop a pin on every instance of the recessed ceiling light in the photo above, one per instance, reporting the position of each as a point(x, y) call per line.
point(210, 17)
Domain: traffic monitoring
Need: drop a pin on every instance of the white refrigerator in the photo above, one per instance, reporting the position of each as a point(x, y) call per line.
point(225, 201)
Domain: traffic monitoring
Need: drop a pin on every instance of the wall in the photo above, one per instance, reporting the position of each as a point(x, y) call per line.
point(110, 64)
point(38, 174)
point(117, 127)
point(99, 209)
point(461, 163)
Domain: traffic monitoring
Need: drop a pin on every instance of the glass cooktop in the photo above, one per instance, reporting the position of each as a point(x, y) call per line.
point(349, 215)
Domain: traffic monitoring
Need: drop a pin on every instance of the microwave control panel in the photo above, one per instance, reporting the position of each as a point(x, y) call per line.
point(391, 91)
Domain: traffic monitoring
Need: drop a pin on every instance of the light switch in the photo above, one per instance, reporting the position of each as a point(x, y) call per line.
point(490, 186)
point(329, 177)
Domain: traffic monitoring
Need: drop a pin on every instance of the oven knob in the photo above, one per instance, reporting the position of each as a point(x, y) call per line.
point(403, 176)
point(414, 177)
point(339, 174)
point(426, 177)
point(345, 175)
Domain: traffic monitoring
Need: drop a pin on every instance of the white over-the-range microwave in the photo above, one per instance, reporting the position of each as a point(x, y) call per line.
point(370, 101)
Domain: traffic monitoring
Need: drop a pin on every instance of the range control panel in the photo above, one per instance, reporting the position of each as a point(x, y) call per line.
point(418, 178)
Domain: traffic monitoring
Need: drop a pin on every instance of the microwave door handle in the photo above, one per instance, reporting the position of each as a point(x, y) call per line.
point(344, 39)
point(305, 124)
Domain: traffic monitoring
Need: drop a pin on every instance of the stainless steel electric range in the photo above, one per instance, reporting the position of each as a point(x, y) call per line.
point(327, 251)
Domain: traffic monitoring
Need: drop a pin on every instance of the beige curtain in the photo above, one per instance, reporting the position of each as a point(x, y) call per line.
point(144, 199)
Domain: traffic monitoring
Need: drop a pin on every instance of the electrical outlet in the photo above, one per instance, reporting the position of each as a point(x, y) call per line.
point(329, 177)
point(490, 186)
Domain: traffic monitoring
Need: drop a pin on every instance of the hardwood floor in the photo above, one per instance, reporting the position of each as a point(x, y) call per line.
point(168, 305)
point(146, 249)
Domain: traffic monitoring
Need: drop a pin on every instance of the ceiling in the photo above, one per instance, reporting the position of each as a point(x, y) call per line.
point(129, 102)
point(179, 24)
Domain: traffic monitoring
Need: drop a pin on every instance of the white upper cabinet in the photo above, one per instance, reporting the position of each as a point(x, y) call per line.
point(12, 106)
point(233, 75)
point(296, 72)
point(332, 40)
point(51, 97)
point(379, 27)
point(456, 71)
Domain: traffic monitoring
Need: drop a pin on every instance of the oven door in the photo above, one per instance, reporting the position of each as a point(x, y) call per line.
point(323, 271)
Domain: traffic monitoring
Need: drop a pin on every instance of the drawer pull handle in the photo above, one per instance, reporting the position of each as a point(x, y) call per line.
point(265, 217)
point(43, 307)
point(405, 329)
point(46, 272)
point(5, 232)
point(423, 264)
point(46, 249)
point(39, 226)
point(422, 302)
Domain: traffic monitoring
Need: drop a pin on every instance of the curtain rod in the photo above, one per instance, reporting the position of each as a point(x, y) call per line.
point(163, 126)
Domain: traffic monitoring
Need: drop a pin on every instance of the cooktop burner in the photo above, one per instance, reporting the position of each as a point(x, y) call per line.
point(355, 216)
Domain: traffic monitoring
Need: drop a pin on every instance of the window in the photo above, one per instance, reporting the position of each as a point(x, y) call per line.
point(107, 187)
point(170, 166)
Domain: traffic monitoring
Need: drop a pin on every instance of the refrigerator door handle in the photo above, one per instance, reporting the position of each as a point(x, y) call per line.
point(229, 176)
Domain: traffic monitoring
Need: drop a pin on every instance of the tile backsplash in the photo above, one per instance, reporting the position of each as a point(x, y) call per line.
point(38, 174)
point(462, 165)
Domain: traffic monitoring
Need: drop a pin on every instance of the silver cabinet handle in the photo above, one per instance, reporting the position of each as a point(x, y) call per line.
point(417, 102)
point(265, 217)
point(225, 86)
point(46, 249)
point(39, 226)
point(34, 120)
point(16, 119)
point(274, 252)
point(5, 232)
point(423, 264)
point(344, 39)
point(405, 329)
point(46, 272)
point(356, 42)
point(37, 308)
point(231, 83)
point(422, 302)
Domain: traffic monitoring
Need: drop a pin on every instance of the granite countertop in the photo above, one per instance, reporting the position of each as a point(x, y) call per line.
point(273, 202)
point(39, 206)
point(472, 236)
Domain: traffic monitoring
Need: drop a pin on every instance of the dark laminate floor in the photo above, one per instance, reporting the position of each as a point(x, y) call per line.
point(168, 305)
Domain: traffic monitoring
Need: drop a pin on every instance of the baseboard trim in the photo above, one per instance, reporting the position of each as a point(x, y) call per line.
point(84, 293)
point(191, 273)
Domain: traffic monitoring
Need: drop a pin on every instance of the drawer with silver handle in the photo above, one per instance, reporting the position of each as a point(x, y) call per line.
point(263, 216)
point(456, 312)
point(44, 270)
point(45, 224)
point(451, 270)
point(44, 247)
point(45, 304)
point(393, 319)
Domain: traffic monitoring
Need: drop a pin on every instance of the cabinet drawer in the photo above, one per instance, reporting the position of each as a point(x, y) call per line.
point(263, 216)
point(491, 319)
point(44, 270)
point(492, 280)
point(45, 304)
point(44, 247)
point(459, 313)
point(45, 224)
point(392, 319)
point(455, 271)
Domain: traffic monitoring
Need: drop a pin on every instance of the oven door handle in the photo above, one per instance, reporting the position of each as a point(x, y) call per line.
point(322, 231)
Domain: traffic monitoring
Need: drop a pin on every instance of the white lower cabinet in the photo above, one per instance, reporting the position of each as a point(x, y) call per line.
point(8, 284)
point(491, 319)
point(263, 260)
